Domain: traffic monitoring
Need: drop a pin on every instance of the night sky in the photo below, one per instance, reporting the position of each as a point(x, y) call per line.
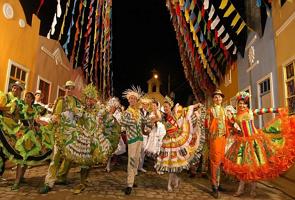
point(144, 39)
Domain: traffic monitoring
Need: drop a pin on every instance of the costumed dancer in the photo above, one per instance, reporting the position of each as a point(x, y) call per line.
point(95, 137)
point(31, 141)
point(183, 142)
point(114, 108)
point(157, 133)
point(64, 114)
point(132, 121)
point(216, 124)
point(25, 142)
point(9, 108)
point(144, 111)
point(259, 154)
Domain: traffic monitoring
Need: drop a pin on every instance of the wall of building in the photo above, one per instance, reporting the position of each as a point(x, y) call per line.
point(52, 66)
point(230, 87)
point(264, 64)
point(17, 44)
point(284, 28)
point(284, 31)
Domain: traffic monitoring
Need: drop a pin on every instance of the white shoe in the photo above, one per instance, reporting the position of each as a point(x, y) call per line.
point(142, 170)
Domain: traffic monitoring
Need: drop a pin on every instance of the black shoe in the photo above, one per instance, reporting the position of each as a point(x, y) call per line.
point(215, 193)
point(45, 189)
point(128, 190)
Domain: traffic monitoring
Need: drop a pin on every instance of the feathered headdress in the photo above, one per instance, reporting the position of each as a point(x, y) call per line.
point(134, 91)
point(89, 92)
point(243, 96)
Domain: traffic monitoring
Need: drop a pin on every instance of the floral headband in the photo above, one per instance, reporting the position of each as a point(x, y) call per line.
point(243, 96)
point(169, 100)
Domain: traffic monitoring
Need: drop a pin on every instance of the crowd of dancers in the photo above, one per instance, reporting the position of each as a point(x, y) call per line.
point(89, 132)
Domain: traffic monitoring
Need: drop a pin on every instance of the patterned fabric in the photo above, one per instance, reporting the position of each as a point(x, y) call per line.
point(67, 110)
point(182, 144)
point(89, 141)
point(261, 154)
point(22, 139)
point(132, 121)
point(216, 121)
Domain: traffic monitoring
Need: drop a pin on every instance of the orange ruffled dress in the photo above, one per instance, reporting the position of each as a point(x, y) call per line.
point(260, 154)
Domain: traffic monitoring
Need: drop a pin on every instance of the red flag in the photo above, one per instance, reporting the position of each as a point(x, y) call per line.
point(41, 4)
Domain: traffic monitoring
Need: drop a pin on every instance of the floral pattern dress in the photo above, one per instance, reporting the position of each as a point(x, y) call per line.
point(22, 139)
point(93, 139)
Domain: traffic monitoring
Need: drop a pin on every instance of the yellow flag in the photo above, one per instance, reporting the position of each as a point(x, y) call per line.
point(191, 26)
point(236, 19)
point(223, 4)
point(192, 6)
point(181, 2)
point(241, 27)
point(186, 15)
point(229, 10)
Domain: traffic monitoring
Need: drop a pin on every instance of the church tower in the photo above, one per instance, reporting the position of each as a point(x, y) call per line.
point(154, 84)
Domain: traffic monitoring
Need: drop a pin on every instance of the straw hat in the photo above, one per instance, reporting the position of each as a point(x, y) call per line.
point(69, 84)
point(18, 84)
point(218, 92)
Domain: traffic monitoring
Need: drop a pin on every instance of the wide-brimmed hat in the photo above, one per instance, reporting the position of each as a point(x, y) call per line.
point(218, 92)
point(19, 84)
point(69, 84)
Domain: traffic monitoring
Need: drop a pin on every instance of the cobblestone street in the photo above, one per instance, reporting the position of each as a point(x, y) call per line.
point(103, 185)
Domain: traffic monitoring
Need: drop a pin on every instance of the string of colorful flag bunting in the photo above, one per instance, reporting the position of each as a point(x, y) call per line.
point(84, 30)
point(210, 34)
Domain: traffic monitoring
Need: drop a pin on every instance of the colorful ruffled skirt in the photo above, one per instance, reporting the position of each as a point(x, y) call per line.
point(90, 147)
point(264, 155)
point(23, 145)
point(182, 148)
